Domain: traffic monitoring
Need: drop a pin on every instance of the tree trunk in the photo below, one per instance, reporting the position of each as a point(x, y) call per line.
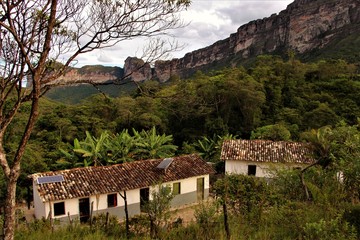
point(226, 223)
point(305, 186)
point(10, 203)
point(126, 217)
point(152, 229)
point(126, 214)
point(302, 177)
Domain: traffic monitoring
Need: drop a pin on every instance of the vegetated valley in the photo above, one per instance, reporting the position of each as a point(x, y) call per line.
point(273, 98)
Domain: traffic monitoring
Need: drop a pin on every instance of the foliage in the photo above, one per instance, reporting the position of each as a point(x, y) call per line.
point(207, 216)
point(106, 224)
point(91, 148)
point(151, 145)
point(338, 149)
point(352, 216)
point(121, 147)
point(157, 210)
point(41, 39)
point(287, 184)
point(328, 230)
point(246, 195)
point(276, 132)
point(269, 100)
point(209, 148)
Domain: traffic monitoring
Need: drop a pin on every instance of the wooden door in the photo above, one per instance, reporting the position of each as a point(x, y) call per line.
point(200, 189)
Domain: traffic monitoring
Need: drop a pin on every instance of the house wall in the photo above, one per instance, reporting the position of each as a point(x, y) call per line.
point(38, 204)
point(188, 191)
point(188, 195)
point(133, 199)
point(263, 169)
point(99, 206)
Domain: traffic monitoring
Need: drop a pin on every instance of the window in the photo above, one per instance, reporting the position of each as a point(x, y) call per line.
point(59, 208)
point(176, 188)
point(252, 170)
point(112, 200)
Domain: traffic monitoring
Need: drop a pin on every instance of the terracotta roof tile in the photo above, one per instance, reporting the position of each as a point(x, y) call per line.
point(267, 151)
point(88, 181)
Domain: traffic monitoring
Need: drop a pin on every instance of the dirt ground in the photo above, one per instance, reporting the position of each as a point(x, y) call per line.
point(186, 213)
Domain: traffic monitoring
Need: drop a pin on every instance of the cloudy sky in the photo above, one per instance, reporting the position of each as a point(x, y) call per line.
point(208, 21)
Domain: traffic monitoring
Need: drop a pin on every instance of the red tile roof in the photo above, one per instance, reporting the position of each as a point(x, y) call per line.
point(89, 181)
point(267, 151)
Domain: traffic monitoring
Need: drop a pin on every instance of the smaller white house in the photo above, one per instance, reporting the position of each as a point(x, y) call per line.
point(261, 157)
point(80, 192)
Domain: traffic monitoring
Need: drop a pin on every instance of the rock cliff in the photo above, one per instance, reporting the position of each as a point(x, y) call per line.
point(86, 74)
point(304, 26)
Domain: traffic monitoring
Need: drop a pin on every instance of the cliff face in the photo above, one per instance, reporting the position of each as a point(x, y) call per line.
point(305, 25)
point(137, 70)
point(86, 74)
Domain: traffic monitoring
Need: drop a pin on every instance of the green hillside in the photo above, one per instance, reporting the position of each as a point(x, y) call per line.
point(76, 93)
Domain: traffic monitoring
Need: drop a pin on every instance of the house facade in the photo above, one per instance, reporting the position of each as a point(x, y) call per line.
point(261, 158)
point(81, 192)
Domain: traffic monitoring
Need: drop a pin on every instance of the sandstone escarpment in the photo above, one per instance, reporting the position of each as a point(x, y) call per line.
point(93, 74)
point(305, 25)
point(137, 70)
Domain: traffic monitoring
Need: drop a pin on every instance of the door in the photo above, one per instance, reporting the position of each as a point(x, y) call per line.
point(144, 198)
point(84, 209)
point(200, 189)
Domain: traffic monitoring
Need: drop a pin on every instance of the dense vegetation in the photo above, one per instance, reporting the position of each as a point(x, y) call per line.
point(272, 99)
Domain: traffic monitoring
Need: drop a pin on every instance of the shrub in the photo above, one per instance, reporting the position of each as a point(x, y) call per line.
point(334, 229)
point(207, 218)
point(352, 216)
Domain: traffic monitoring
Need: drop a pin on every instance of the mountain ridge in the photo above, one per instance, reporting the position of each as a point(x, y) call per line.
point(304, 27)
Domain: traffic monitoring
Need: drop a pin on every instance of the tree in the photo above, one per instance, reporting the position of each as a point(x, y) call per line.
point(121, 147)
point(320, 139)
point(276, 132)
point(158, 208)
point(41, 39)
point(244, 195)
point(337, 149)
point(151, 145)
point(209, 148)
point(92, 148)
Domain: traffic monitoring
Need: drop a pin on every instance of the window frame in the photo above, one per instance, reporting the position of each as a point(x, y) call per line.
point(178, 192)
point(252, 169)
point(112, 200)
point(59, 208)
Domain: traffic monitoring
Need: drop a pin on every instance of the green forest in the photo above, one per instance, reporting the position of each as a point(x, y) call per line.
point(273, 98)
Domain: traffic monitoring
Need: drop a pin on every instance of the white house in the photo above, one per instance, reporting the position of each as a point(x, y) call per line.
point(76, 193)
point(261, 157)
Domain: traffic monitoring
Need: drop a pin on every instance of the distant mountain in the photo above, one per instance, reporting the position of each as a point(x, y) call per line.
point(311, 29)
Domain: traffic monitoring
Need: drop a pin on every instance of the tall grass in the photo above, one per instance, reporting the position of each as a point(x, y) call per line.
point(290, 220)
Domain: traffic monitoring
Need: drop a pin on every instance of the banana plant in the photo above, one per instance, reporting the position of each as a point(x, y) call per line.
point(92, 149)
point(121, 147)
point(151, 145)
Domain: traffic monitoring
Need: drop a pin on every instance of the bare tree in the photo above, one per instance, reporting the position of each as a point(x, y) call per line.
point(40, 39)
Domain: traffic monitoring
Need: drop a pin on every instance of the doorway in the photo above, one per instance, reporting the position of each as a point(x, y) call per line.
point(144, 198)
point(84, 209)
point(200, 189)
